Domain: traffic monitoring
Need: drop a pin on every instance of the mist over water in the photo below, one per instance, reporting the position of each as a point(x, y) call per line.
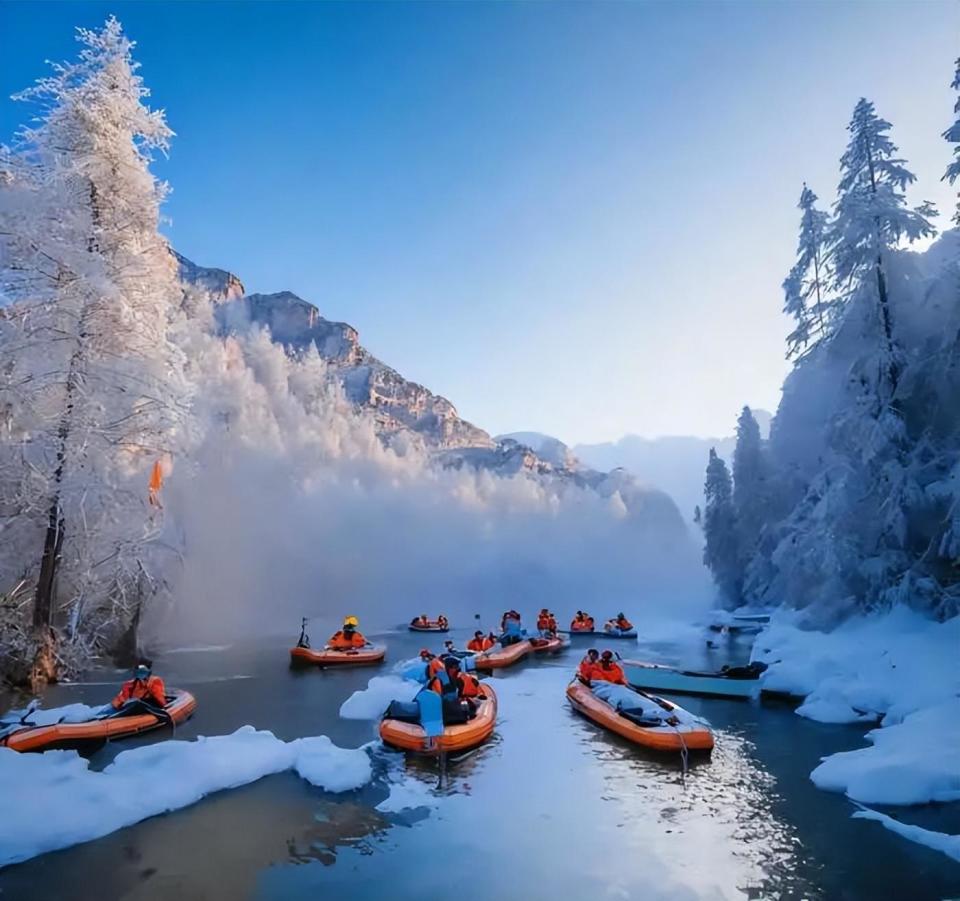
point(291, 506)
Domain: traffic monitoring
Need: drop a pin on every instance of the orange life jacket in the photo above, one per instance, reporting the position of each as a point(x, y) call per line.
point(543, 622)
point(587, 667)
point(609, 673)
point(340, 641)
point(469, 686)
point(624, 624)
point(151, 690)
point(477, 644)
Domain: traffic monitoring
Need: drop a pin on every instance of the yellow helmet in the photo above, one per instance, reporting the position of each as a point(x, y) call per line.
point(351, 621)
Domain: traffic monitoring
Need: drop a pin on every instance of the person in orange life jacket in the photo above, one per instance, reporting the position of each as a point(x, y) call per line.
point(582, 622)
point(348, 638)
point(543, 620)
point(443, 622)
point(144, 686)
point(608, 670)
point(588, 665)
point(443, 680)
point(622, 623)
point(478, 643)
point(433, 663)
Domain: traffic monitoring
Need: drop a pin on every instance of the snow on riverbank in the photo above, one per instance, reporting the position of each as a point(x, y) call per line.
point(900, 669)
point(60, 802)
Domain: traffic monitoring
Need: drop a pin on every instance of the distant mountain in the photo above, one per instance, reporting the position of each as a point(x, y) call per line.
point(403, 409)
point(546, 447)
point(673, 463)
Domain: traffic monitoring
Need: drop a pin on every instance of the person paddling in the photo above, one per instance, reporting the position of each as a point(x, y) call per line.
point(144, 686)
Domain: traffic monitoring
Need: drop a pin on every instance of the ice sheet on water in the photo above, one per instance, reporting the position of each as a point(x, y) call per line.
point(939, 841)
point(58, 801)
point(332, 768)
point(370, 703)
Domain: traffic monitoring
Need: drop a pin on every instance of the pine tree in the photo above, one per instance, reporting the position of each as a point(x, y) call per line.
point(805, 288)
point(721, 551)
point(870, 218)
point(750, 483)
point(96, 288)
point(952, 134)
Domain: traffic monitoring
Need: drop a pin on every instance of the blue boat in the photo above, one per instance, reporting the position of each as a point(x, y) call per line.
point(731, 682)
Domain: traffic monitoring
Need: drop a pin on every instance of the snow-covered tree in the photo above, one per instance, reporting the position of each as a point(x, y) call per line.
point(871, 217)
point(952, 134)
point(750, 483)
point(721, 552)
point(806, 288)
point(94, 387)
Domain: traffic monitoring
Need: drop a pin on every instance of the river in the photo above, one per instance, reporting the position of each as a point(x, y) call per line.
point(552, 807)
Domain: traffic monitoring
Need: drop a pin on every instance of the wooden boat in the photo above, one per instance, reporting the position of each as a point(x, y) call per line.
point(89, 735)
point(661, 737)
point(329, 657)
point(431, 626)
point(737, 682)
point(409, 736)
point(497, 658)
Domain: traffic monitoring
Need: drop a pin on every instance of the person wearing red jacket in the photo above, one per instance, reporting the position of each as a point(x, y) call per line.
point(144, 686)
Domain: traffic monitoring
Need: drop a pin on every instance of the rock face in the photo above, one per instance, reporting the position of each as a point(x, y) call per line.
point(218, 283)
point(395, 402)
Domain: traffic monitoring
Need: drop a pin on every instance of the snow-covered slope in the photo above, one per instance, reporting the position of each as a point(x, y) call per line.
point(396, 402)
point(546, 447)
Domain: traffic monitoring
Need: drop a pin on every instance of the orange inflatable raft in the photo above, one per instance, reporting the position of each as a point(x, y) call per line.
point(179, 708)
point(330, 657)
point(693, 736)
point(431, 626)
point(549, 645)
point(411, 736)
point(501, 657)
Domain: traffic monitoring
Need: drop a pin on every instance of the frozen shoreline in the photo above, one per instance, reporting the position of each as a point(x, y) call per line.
point(899, 669)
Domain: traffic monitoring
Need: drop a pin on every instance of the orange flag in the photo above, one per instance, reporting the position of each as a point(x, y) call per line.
point(156, 483)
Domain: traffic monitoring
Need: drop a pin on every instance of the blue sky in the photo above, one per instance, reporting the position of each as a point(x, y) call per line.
point(571, 218)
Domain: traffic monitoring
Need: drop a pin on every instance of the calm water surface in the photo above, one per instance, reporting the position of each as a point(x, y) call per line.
point(551, 808)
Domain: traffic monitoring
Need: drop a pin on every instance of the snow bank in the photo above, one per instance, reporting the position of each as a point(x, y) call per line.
point(58, 801)
point(913, 762)
point(900, 668)
point(948, 844)
point(370, 703)
point(887, 665)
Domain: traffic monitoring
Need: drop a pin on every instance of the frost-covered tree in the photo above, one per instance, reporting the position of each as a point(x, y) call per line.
point(806, 288)
point(721, 552)
point(871, 217)
point(750, 483)
point(952, 134)
point(93, 386)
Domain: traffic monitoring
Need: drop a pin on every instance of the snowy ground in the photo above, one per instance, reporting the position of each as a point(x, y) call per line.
point(900, 670)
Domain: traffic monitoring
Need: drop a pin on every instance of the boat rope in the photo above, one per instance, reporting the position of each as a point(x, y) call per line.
point(684, 757)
